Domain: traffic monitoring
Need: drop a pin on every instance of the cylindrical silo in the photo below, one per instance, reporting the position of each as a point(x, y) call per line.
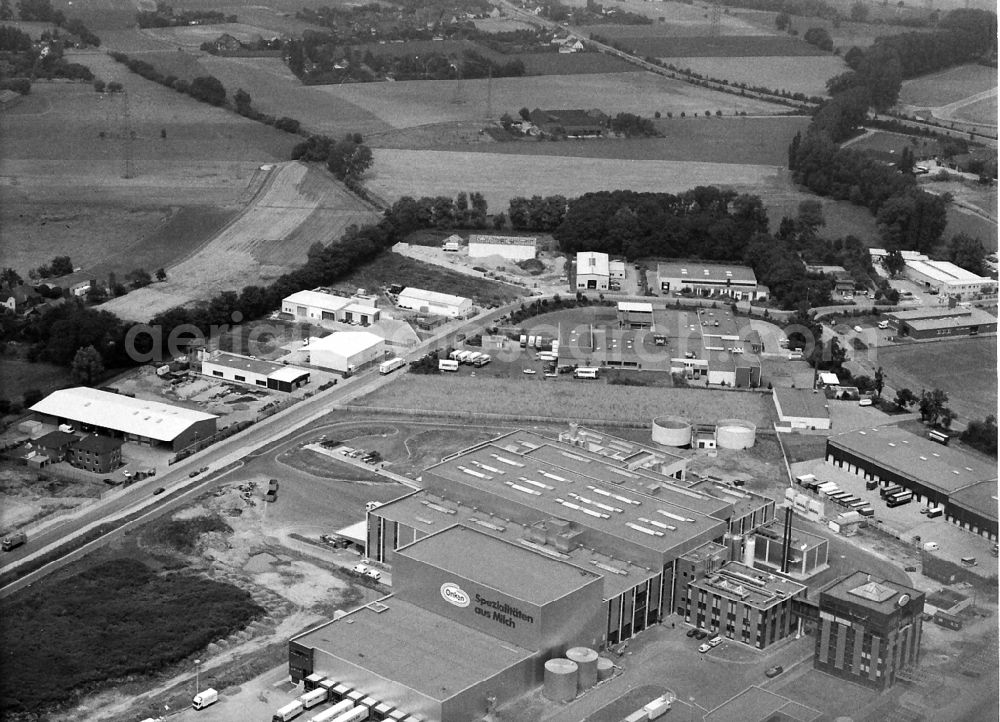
point(749, 549)
point(560, 680)
point(672, 431)
point(605, 668)
point(586, 662)
point(735, 434)
point(735, 547)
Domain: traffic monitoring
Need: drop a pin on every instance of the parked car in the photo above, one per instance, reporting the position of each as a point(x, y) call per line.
point(715, 641)
point(931, 546)
point(704, 648)
point(194, 473)
point(701, 634)
point(774, 671)
point(374, 574)
point(692, 632)
point(361, 568)
point(110, 482)
point(529, 372)
point(158, 490)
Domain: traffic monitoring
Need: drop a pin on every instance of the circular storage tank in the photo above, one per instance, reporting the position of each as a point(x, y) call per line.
point(560, 680)
point(735, 434)
point(605, 668)
point(586, 662)
point(672, 431)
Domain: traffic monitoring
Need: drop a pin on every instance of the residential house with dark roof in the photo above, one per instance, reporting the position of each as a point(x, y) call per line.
point(100, 454)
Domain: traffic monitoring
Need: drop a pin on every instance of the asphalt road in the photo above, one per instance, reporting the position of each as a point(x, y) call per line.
point(238, 449)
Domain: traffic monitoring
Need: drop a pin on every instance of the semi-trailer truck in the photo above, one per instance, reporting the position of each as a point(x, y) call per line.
point(447, 364)
point(387, 367)
point(328, 715)
point(313, 698)
point(289, 712)
point(13, 541)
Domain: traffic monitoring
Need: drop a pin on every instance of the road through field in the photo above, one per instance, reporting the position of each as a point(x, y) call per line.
point(500, 177)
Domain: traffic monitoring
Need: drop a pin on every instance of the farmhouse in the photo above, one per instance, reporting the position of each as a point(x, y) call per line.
point(939, 475)
point(703, 279)
point(137, 420)
point(935, 323)
point(432, 302)
point(513, 248)
point(950, 280)
point(100, 454)
point(592, 271)
point(327, 305)
point(572, 123)
point(252, 371)
point(346, 352)
point(801, 409)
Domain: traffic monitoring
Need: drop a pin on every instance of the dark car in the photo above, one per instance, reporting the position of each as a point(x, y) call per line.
point(692, 632)
point(701, 634)
point(158, 490)
point(110, 482)
point(774, 671)
point(194, 473)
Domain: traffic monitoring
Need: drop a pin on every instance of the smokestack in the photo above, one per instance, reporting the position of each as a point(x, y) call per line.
point(786, 546)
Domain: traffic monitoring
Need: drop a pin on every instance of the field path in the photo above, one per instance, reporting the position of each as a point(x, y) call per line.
point(296, 206)
point(947, 112)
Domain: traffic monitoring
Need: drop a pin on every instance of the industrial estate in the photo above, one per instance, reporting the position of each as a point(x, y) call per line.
point(475, 360)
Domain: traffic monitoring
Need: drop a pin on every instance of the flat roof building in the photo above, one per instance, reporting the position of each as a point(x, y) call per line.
point(950, 280)
point(869, 630)
point(924, 323)
point(346, 352)
point(801, 409)
point(934, 473)
point(593, 272)
point(633, 314)
point(513, 248)
point(709, 279)
point(432, 302)
point(253, 372)
point(135, 420)
point(326, 305)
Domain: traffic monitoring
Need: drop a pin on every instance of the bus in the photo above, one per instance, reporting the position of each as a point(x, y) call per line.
point(938, 436)
point(447, 365)
point(586, 372)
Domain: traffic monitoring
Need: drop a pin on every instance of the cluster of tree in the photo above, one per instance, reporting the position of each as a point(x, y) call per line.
point(934, 410)
point(113, 87)
point(982, 435)
point(165, 17)
point(102, 619)
point(347, 159)
point(592, 14)
point(426, 364)
point(42, 11)
point(633, 126)
point(543, 305)
point(23, 59)
point(537, 213)
point(264, 46)
point(13, 40)
point(706, 222)
point(371, 22)
point(207, 88)
point(819, 37)
point(59, 266)
point(962, 36)
point(442, 212)
point(777, 264)
point(968, 253)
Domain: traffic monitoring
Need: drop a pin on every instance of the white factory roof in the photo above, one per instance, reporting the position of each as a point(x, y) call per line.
point(151, 419)
point(318, 299)
point(503, 240)
point(944, 271)
point(617, 266)
point(907, 255)
point(346, 343)
point(635, 307)
point(288, 373)
point(432, 297)
point(829, 379)
point(592, 263)
point(696, 271)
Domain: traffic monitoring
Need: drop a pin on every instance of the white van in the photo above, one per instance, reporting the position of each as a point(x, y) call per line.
point(205, 698)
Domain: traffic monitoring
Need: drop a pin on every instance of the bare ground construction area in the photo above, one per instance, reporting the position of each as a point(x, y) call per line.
point(296, 207)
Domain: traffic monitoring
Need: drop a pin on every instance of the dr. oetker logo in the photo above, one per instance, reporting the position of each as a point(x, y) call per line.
point(453, 594)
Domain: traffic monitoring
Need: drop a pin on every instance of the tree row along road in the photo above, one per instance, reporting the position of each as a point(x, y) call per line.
point(226, 453)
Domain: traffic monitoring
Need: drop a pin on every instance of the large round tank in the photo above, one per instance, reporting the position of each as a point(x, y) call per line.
point(560, 680)
point(735, 434)
point(605, 668)
point(586, 662)
point(735, 543)
point(672, 431)
point(750, 551)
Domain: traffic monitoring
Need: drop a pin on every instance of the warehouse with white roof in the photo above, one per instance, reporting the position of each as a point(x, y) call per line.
point(593, 271)
point(513, 248)
point(432, 302)
point(323, 304)
point(140, 421)
point(346, 352)
point(950, 280)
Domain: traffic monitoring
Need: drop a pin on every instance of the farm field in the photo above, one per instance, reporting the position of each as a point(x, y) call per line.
point(795, 74)
point(754, 141)
point(980, 112)
point(414, 103)
point(192, 36)
point(571, 400)
point(964, 368)
point(398, 173)
point(297, 207)
point(678, 18)
point(842, 217)
point(949, 86)
point(572, 63)
point(960, 221)
point(882, 141)
point(725, 46)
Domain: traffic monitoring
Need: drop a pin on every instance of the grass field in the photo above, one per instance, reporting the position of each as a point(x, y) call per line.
point(981, 112)
point(398, 173)
point(960, 221)
point(753, 141)
point(964, 368)
point(731, 46)
point(795, 74)
point(390, 268)
point(882, 142)
point(949, 86)
point(679, 18)
point(18, 376)
point(572, 400)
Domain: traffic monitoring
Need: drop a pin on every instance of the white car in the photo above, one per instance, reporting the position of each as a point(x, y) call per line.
point(529, 372)
point(931, 546)
point(361, 568)
point(374, 574)
point(715, 641)
point(858, 329)
point(704, 648)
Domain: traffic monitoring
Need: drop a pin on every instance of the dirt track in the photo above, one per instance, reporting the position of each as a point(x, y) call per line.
point(297, 206)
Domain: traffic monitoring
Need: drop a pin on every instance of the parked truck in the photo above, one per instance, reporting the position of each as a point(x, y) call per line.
point(481, 360)
point(205, 698)
point(289, 712)
point(13, 541)
point(387, 367)
point(447, 365)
